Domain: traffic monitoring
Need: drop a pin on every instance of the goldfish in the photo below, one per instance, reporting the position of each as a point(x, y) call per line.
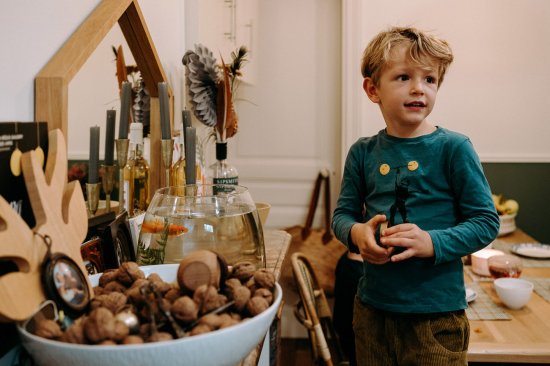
point(157, 226)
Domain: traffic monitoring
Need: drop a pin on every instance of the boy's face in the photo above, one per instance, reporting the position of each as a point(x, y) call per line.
point(406, 92)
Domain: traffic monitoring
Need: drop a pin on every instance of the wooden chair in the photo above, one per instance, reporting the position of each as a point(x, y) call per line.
point(313, 312)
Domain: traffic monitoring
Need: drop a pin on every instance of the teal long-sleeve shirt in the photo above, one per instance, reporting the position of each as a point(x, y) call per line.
point(434, 181)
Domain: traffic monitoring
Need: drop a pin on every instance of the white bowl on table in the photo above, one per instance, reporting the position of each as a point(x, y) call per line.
point(507, 224)
point(225, 346)
point(515, 293)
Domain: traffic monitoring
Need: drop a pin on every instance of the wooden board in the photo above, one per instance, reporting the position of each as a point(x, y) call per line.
point(60, 212)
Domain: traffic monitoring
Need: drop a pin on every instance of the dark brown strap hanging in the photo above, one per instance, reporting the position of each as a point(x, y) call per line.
point(323, 176)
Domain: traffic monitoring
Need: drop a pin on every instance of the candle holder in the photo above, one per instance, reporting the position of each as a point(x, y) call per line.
point(122, 157)
point(92, 195)
point(107, 181)
point(167, 146)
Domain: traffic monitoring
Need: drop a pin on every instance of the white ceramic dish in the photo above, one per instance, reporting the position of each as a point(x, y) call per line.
point(513, 292)
point(226, 346)
point(471, 295)
point(532, 250)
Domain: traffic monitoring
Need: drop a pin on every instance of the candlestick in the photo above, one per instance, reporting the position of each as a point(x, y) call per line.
point(94, 155)
point(167, 151)
point(110, 137)
point(92, 195)
point(164, 110)
point(107, 182)
point(125, 94)
point(190, 170)
point(122, 157)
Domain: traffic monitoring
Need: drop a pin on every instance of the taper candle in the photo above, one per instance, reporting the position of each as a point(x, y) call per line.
point(110, 137)
point(190, 170)
point(125, 95)
point(186, 121)
point(164, 111)
point(93, 166)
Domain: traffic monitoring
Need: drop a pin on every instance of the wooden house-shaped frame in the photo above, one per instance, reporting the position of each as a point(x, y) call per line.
point(52, 82)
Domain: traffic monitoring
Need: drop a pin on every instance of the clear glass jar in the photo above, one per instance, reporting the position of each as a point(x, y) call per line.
point(183, 219)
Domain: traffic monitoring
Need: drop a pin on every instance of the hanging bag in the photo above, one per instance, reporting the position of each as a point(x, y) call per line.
point(320, 246)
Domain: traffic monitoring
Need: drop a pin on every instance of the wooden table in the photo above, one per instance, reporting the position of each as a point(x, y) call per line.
point(523, 339)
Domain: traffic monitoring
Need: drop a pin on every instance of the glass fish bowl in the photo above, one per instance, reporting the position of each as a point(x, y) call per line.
point(217, 217)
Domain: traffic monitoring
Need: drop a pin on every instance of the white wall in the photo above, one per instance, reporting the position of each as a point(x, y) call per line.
point(31, 32)
point(496, 91)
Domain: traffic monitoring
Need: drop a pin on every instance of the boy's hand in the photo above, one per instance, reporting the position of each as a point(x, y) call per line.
point(416, 242)
point(362, 235)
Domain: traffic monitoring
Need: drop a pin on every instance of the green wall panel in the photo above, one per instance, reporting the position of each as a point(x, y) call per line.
point(529, 184)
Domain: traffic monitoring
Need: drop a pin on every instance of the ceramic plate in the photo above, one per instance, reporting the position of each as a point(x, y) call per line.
point(471, 295)
point(532, 250)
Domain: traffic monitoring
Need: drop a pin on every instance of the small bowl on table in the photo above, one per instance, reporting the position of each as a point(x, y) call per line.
point(515, 293)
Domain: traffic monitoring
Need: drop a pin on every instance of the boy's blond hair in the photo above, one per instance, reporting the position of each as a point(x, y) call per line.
point(422, 46)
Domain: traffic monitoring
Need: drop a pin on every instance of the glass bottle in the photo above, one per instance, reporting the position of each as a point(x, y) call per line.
point(177, 172)
point(222, 172)
point(136, 174)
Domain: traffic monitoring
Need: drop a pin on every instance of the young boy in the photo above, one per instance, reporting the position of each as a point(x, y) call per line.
point(427, 185)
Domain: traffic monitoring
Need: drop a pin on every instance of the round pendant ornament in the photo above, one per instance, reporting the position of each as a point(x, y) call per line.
point(64, 282)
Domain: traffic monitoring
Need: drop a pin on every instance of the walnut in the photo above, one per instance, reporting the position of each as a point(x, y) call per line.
point(134, 293)
point(98, 290)
point(256, 305)
point(128, 272)
point(185, 309)
point(264, 278)
point(132, 339)
point(100, 325)
point(159, 337)
point(243, 271)
point(114, 286)
point(107, 342)
point(172, 295)
point(212, 320)
point(154, 277)
point(114, 301)
point(121, 331)
point(107, 276)
point(208, 298)
point(227, 322)
point(48, 328)
point(265, 293)
point(161, 287)
point(241, 295)
point(230, 285)
point(200, 329)
point(75, 333)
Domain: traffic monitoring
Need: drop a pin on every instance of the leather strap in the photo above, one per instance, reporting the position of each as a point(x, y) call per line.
point(323, 176)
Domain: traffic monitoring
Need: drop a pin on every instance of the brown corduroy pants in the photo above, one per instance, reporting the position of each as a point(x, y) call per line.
point(385, 339)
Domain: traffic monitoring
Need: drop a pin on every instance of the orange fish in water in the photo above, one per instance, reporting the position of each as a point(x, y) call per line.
point(156, 226)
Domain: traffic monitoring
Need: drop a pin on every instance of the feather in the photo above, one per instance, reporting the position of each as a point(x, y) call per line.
point(121, 73)
point(201, 79)
point(227, 118)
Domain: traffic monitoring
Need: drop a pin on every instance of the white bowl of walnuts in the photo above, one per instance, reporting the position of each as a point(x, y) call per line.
point(204, 337)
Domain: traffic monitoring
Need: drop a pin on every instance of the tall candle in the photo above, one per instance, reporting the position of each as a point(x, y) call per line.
point(186, 121)
point(125, 95)
point(94, 155)
point(190, 139)
point(110, 137)
point(164, 111)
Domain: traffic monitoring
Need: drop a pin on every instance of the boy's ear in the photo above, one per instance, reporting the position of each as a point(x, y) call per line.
point(371, 90)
